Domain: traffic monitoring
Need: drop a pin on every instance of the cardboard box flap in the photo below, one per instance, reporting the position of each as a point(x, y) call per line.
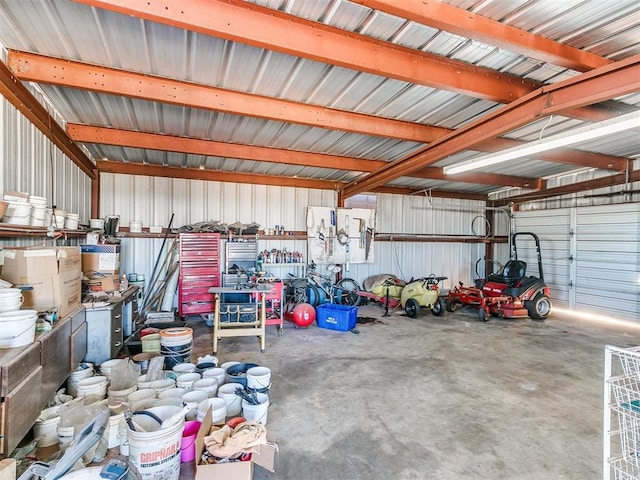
point(265, 458)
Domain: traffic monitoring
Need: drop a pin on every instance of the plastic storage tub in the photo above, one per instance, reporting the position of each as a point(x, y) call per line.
point(336, 317)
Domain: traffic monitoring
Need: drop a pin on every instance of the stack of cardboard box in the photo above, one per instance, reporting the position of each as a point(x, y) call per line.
point(101, 267)
point(50, 277)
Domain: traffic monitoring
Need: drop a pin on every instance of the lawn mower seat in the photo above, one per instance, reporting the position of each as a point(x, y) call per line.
point(513, 271)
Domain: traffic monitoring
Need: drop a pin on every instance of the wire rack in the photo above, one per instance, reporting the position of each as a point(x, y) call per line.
point(621, 449)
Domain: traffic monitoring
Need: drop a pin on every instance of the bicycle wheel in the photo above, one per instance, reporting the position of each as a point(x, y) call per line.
point(346, 292)
point(313, 295)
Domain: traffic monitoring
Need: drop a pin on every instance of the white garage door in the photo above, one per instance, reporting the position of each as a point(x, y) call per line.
point(607, 260)
point(590, 256)
point(553, 227)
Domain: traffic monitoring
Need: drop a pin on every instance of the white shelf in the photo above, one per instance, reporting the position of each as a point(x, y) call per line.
point(284, 265)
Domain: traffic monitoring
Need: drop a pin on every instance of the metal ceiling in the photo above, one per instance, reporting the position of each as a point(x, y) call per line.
point(320, 93)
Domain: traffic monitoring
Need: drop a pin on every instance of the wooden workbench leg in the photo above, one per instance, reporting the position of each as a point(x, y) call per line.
point(263, 321)
point(216, 324)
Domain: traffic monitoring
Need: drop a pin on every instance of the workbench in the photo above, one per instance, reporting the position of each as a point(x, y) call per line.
point(239, 319)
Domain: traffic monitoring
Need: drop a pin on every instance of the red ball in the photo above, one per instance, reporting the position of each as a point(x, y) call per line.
point(304, 315)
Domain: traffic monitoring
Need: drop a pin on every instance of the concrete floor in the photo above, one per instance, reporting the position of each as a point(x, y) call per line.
point(433, 398)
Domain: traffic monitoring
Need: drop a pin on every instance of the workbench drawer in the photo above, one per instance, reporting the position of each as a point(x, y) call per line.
point(197, 307)
point(17, 364)
point(20, 410)
point(78, 346)
point(56, 355)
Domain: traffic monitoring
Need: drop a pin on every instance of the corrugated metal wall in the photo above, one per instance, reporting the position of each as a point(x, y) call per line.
point(30, 163)
point(152, 200)
point(590, 256)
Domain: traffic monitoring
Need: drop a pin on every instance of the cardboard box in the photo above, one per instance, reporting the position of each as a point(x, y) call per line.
point(69, 259)
point(104, 283)
point(265, 458)
point(100, 258)
point(20, 264)
point(50, 276)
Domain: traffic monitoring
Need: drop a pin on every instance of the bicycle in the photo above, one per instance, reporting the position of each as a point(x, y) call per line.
point(316, 288)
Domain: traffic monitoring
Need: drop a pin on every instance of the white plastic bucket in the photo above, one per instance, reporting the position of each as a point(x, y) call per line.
point(71, 223)
point(113, 436)
point(234, 402)
point(17, 328)
point(162, 385)
point(258, 378)
point(171, 401)
point(256, 413)
point(186, 380)
point(184, 367)
point(172, 393)
point(217, 372)
point(121, 395)
point(107, 365)
point(218, 410)
point(46, 427)
point(140, 395)
point(192, 399)
point(135, 226)
point(65, 436)
point(93, 386)
point(82, 371)
point(143, 382)
point(10, 299)
point(156, 452)
point(209, 385)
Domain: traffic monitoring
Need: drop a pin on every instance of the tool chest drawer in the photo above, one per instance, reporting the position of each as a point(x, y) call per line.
point(199, 271)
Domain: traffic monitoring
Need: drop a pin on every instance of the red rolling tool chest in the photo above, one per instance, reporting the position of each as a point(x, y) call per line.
point(199, 271)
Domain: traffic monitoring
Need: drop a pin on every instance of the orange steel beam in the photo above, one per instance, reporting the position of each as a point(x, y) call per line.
point(263, 27)
point(602, 182)
point(483, 29)
point(38, 68)
point(611, 81)
point(95, 194)
point(22, 99)
point(107, 166)
point(432, 192)
point(128, 138)
point(170, 143)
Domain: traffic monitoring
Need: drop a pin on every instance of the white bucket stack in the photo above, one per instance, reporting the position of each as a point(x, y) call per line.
point(58, 218)
point(82, 371)
point(19, 209)
point(10, 299)
point(17, 328)
point(93, 386)
point(38, 210)
point(72, 221)
point(46, 427)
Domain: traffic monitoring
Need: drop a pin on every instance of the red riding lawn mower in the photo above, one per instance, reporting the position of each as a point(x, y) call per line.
point(508, 293)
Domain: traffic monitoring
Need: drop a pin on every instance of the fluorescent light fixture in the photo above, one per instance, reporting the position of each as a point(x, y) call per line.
point(582, 134)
